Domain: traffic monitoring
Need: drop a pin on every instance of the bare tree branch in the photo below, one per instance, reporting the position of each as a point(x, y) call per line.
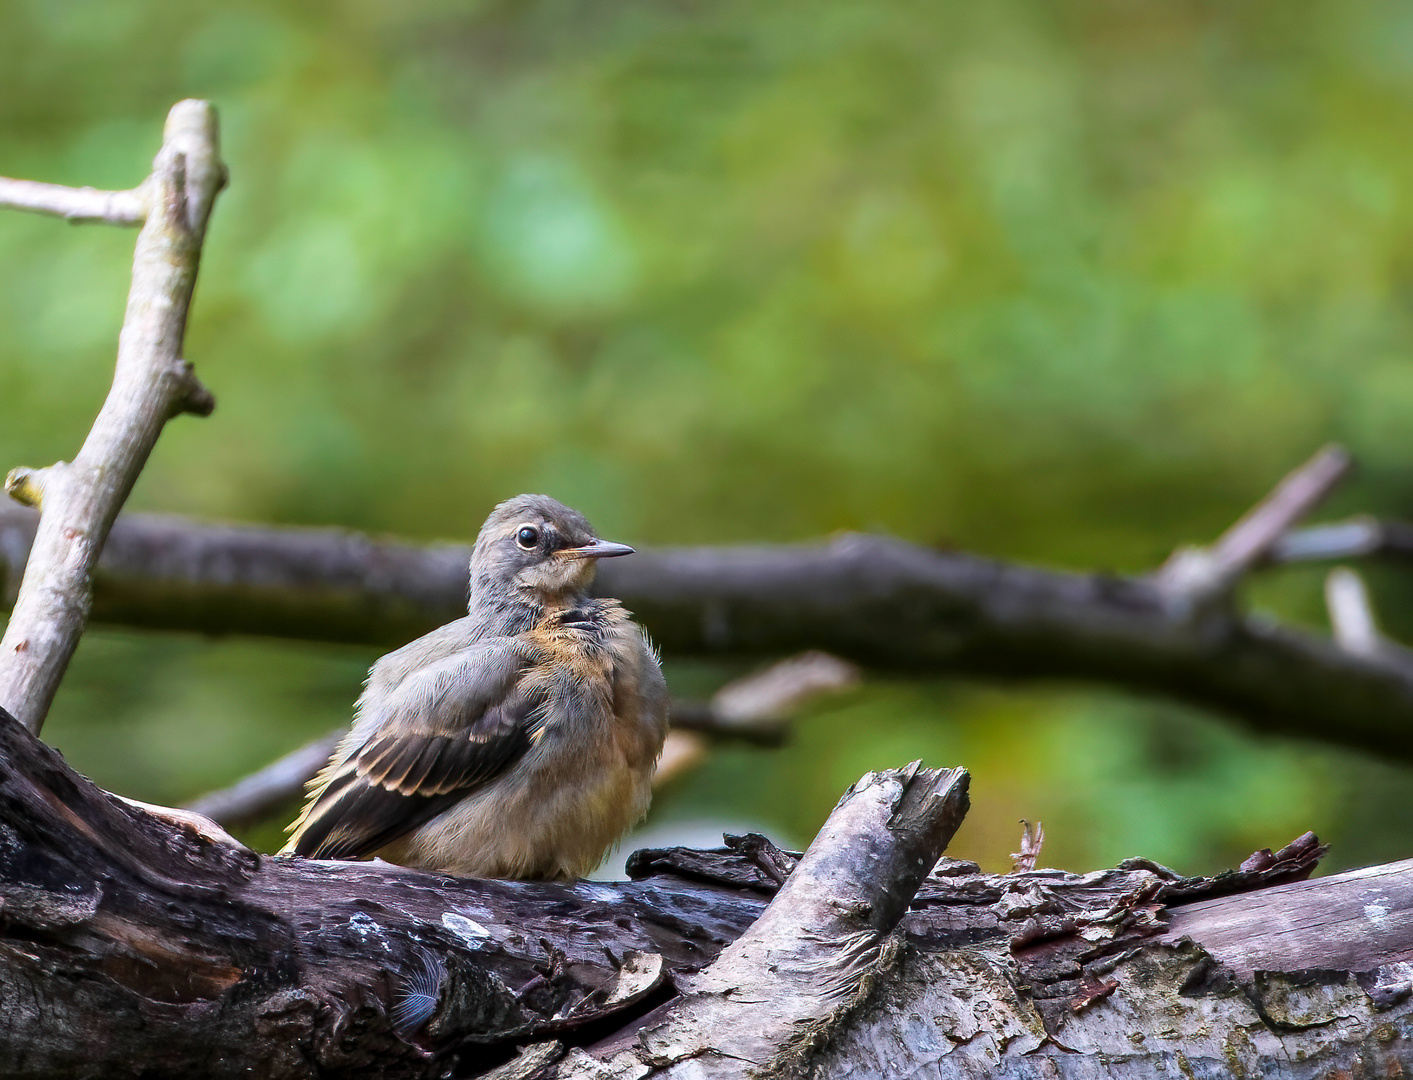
point(893, 607)
point(152, 383)
point(1352, 613)
point(1360, 537)
point(889, 606)
point(75, 204)
point(1195, 577)
point(279, 782)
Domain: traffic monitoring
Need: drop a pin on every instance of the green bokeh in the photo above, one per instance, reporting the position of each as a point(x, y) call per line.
point(1066, 283)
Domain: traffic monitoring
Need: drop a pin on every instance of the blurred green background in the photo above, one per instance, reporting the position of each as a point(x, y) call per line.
point(1068, 283)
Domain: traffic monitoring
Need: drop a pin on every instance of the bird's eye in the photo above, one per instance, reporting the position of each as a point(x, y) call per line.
point(527, 537)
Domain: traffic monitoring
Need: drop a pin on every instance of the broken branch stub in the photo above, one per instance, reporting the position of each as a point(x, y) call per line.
point(827, 930)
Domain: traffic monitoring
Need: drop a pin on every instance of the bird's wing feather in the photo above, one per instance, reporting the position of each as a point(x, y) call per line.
point(439, 734)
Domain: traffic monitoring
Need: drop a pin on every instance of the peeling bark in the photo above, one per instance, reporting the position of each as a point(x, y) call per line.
point(130, 947)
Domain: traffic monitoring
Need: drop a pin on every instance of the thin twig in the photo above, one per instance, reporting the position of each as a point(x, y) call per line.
point(756, 708)
point(1195, 577)
point(282, 781)
point(152, 383)
point(1357, 538)
point(279, 782)
point(701, 717)
point(781, 689)
point(75, 204)
point(681, 753)
point(1246, 543)
point(1352, 613)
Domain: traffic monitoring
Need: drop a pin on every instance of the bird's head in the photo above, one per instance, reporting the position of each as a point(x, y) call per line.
point(535, 549)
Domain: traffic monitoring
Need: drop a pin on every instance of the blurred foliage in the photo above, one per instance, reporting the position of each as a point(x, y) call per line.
point(1070, 283)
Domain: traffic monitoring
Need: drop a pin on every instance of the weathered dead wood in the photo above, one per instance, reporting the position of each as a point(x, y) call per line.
point(1276, 930)
point(1123, 973)
point(129, 947)
point(776, 992)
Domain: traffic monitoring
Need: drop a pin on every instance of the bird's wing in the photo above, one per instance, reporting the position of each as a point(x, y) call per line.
point(440, 733)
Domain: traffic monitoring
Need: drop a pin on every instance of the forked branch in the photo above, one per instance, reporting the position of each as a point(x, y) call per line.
point(79, 501)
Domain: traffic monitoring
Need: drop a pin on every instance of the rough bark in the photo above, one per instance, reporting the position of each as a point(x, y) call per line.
point(776, 991)
point(130, 947)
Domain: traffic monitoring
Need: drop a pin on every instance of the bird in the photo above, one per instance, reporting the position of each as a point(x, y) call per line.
point(517, 742)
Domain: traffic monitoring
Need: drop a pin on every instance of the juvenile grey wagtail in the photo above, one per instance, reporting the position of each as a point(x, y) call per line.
point(517, 742)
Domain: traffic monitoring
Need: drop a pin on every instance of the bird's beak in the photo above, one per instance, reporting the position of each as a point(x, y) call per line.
point(598, 549)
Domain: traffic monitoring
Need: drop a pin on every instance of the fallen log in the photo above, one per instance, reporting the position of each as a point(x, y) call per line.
point(130, 946)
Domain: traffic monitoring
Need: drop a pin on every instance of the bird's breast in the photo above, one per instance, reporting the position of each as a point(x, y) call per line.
point(573, 645)
point(601, 680)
